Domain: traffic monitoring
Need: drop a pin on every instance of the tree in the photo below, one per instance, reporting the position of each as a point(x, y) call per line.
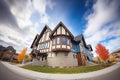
point(22, 55)
point(27, 57)
point(112, 58)
point(102, 52)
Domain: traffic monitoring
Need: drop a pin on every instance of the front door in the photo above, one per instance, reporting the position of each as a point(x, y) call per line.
point(79, 59)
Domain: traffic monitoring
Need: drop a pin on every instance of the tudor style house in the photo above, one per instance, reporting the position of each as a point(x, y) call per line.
point(59, 48)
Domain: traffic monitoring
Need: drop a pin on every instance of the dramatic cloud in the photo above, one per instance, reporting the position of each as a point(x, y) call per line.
point(21, 20)
point(16, 26)
point(103, 24)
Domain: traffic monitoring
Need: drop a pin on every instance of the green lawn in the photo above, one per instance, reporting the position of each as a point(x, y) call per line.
point(82, 69)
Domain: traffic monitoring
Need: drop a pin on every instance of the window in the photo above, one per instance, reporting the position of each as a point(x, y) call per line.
point(48, 44)
point(45, 45)
point(41, 46)
point(58, 40)
point(68, 42)
point(64, 41)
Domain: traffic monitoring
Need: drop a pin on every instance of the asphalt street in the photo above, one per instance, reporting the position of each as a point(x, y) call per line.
point(6, 74)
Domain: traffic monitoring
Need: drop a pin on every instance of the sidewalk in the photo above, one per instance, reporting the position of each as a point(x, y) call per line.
point(37, 75)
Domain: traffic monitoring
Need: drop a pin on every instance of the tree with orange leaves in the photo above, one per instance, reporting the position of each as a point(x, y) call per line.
point(22, 55)
point(102, 52)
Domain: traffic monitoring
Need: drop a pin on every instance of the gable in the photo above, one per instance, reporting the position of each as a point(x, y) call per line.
point(35, 41)
point(44, 35)
point(61, 29)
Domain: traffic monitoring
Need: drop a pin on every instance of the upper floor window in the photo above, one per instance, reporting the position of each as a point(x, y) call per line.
point(53, 41)
point(64, 41)
point(44, 45)
point(68, 41)
point(58, 40)
point(48, 45)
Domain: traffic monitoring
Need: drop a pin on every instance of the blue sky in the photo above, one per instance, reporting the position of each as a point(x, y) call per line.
point(97, 20)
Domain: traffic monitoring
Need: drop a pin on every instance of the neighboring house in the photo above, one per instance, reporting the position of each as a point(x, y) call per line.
point(59, 48)
point(7, 53)
point(116, 53)
point(14, 58)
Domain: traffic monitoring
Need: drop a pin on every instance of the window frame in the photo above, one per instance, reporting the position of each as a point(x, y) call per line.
point(58, 40)
point(64, 41)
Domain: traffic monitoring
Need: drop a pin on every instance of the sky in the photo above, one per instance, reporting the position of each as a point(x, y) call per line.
point(97, 20)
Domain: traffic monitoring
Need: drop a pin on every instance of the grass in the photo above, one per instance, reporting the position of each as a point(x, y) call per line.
point(82, 69)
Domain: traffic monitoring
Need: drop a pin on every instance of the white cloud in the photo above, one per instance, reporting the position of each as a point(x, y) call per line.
point(113, 44)
point(44, 18)
point(103, 23)
point(103, 12)
point(40, 6)
point(22, 11)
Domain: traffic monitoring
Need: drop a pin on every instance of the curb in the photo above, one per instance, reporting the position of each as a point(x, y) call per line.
point(39, 75)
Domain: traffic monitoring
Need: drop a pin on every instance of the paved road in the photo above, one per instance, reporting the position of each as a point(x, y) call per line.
point(6, 74)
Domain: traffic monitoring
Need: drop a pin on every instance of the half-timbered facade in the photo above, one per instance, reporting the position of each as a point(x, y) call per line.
point(59, 48)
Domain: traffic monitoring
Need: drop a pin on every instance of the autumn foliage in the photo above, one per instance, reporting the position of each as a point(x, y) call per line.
point(112, 58)
point(102, 52)
point(22, 55)
point(27, 57)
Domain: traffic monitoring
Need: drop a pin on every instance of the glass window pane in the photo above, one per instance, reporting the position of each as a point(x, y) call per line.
point(41, 46)
point(45, 45)
point(64, 41)
point(48, 44)
point(58, 40)
point(68, 41)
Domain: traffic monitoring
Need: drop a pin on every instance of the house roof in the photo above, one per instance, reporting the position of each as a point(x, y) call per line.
point(34, 42)
point(116, 51)
point(1, 48)
point(79, 38)
point(89, 47)
point(75, 39)
point(46, 27)
point(11, 48)
point(61, 24)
